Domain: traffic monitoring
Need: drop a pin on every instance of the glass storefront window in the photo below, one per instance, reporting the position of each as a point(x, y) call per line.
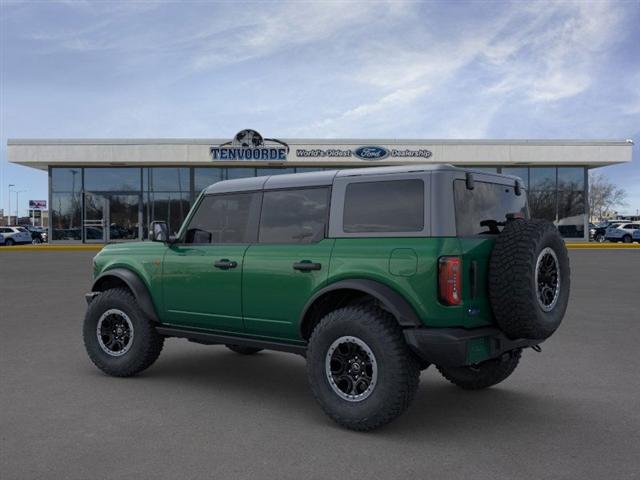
point(164, 179)
point(112, 179)
point(522, 172)
point(66, 216)
point(171, 207)
point(571, 213)
point(273, 171)
point(542, 178)
point(240, 172)
point(542, 204)
point(203, 177)
point(66, 179)
point(570, 178)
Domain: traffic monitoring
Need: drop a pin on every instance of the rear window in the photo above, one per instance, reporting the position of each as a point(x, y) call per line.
point(484, 209)
point(384, 206)
point(294, 216)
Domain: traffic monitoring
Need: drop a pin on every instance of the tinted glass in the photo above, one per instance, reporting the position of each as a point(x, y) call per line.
point(225, 219)
point(240, 173)
point(570, 178)
point(273, 171)
point(114, 179)
point(294, 216)
point(65, 216)
point(386, 206)
point(571, 213)
point(484, 209)
point(543, 204)
point(203, 177)
point(522, 172)
point(171, 207)
point(66, 179)
point(167, 179)
point(542, 178)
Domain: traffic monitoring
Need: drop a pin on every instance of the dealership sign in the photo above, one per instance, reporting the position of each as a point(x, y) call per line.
point(366, 152)
point(250, 145)
point(38, 204)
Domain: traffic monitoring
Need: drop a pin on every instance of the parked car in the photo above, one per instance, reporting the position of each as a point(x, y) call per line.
point(600, 231)
point(15, 235)
point(38, 234)
point(622, 232)
point(371, 274)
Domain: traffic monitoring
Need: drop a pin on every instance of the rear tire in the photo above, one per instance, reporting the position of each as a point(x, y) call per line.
point(120, 340)
point(360, 369)
point(483, 375)
point(242, 350)
point(626, 239)
point(599, 238)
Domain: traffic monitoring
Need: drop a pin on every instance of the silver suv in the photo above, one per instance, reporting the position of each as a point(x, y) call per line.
point(15, 235)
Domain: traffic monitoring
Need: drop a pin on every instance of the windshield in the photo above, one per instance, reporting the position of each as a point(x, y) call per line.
point(484, 209)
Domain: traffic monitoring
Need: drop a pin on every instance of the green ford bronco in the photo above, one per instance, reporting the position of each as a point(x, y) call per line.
point(372, 274)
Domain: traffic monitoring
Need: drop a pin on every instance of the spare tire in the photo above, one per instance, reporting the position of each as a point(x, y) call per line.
point(529, 279)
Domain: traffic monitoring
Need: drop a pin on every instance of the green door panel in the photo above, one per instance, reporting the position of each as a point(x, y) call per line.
point(387, 261)
point(196, 293)
point(274, 293)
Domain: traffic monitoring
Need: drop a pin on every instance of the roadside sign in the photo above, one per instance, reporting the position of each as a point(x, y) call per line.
point(38, 204)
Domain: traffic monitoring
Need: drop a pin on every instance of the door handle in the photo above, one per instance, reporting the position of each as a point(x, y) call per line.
point(225, 264)
point(306, 266)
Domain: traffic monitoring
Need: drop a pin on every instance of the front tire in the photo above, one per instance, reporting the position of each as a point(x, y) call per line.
point(360, 369)
point(9, 242)
point(483, 375)
point(120, 340)
point(626, 239)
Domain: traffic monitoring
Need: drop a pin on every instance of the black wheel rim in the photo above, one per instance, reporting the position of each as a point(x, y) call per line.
point(547, 279)
point(115, 332)
point(351, 368)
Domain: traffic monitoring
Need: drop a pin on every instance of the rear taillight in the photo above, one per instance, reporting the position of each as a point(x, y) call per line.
point(449, 280)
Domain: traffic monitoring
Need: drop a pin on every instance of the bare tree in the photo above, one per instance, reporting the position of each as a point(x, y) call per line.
point(604, 196)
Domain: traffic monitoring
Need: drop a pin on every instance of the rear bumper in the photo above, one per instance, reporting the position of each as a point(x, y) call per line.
point(456, 347)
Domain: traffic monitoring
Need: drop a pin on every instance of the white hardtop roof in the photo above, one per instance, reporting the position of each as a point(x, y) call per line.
point(322, 178)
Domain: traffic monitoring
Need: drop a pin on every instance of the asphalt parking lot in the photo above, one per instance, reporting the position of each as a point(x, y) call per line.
point(205, 412)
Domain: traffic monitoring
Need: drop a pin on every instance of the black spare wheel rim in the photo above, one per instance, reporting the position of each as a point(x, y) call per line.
point(529, 279)
point(115, 332)
point(351, 368)
point(547, 279)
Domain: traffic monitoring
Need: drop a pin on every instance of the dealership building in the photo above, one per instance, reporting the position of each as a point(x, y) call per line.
point(109, 190)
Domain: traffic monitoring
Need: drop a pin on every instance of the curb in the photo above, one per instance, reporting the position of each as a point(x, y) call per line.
point(602, 246)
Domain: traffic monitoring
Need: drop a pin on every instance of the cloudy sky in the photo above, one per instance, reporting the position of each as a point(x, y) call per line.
point(319, 69)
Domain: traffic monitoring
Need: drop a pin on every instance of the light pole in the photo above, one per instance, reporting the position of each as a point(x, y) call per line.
point(9, 211)
point(18, 192)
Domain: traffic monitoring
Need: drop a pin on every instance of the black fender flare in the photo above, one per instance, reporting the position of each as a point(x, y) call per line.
point(397, 305)
point(135, 284)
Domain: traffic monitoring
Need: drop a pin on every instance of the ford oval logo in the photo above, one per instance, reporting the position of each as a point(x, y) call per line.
point(371, 153)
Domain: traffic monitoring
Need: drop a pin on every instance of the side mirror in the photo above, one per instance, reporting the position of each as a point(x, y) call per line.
point(159, 231)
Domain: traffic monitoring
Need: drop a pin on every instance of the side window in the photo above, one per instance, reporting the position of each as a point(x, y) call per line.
point(294, 216)
point(228, 218)
point(384, 206)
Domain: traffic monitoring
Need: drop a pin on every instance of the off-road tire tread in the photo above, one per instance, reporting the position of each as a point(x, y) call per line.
point(489, 373)
point(152, 341)
point(511, 277)
point(406, 373)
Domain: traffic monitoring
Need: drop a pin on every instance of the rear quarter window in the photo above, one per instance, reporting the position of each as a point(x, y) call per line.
point(384, 206)
point(483, 210)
